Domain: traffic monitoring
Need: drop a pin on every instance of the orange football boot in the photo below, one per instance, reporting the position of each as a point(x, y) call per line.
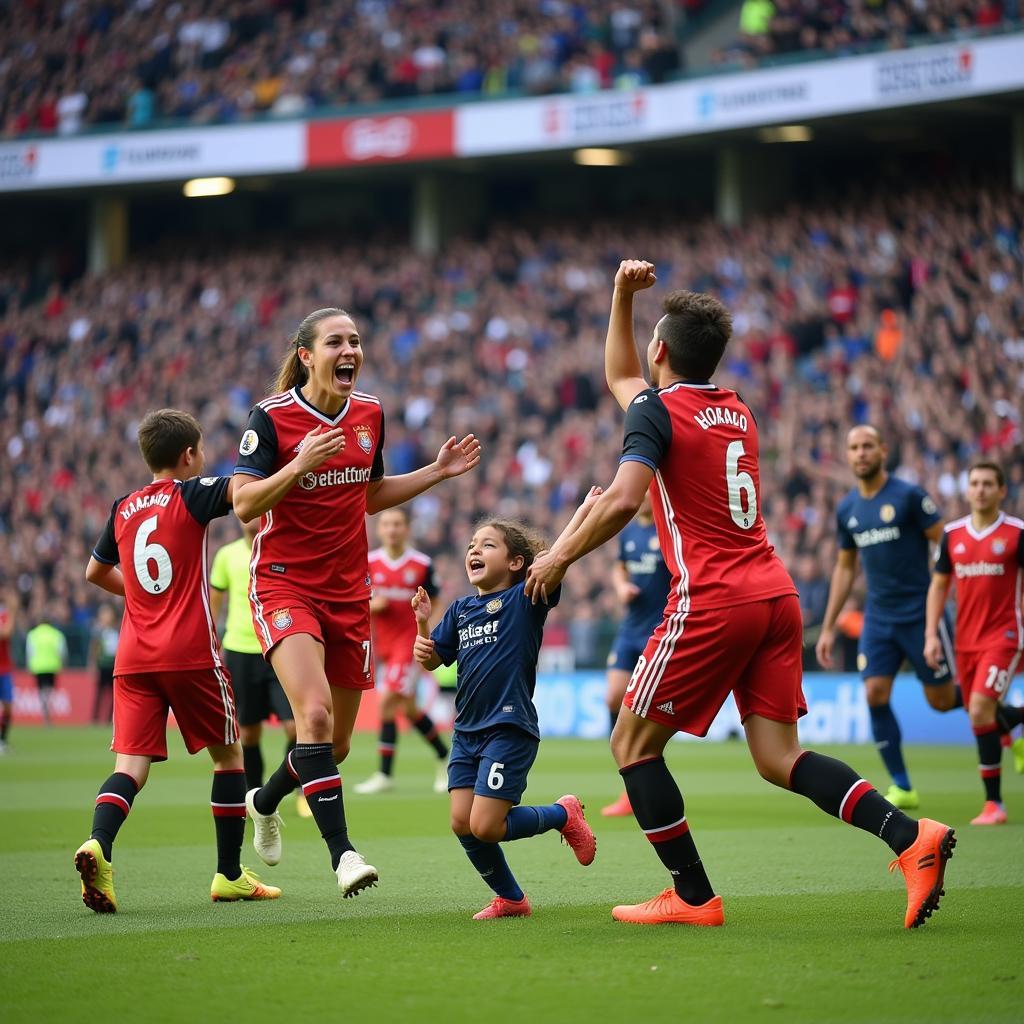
point(668, 908)
point(923, 864)
point(501, 907)
point(622, 808)
point(991, 814)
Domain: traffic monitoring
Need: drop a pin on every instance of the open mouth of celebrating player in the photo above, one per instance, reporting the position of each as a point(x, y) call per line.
point(476, 566)
point(345, 373)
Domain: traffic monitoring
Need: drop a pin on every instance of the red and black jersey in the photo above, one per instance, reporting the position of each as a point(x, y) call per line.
point(702, 443)
point(5, 643)
point(157, 535)
point(314, 539)
point(989, 568)
point(394, 628)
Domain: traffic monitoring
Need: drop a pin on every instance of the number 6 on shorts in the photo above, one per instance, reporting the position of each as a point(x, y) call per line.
point(494, 778)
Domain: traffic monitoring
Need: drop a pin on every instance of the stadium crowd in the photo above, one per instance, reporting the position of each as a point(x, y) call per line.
point(776, 28)
point(904, 310)
point(65, 67)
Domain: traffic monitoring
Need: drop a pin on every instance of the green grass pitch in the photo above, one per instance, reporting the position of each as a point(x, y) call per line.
point(813, 921)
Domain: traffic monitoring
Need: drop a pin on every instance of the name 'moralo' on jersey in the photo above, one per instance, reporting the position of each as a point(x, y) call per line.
point(335, 477)
point(143, 502)
point(979, 569)
point(868, 538)
point(714, 416)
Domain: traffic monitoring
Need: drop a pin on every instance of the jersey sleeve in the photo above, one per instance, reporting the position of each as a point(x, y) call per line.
point(943, 563)
point(648, 430)
point(377, 469)
point(1020, 549)
point(257, 451)
point(206, 497)
point(430, 582)
point(446, 636)
point(219, 571)
point(106, 547)
point(925, 511)
point(843, 534)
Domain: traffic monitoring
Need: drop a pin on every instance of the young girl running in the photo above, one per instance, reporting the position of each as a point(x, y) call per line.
point(495, 638)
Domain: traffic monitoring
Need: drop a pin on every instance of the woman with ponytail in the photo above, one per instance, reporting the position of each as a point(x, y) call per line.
point(311, 468)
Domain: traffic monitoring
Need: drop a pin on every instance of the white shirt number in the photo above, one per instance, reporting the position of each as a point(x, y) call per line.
point(155, 554)
point(741, 488)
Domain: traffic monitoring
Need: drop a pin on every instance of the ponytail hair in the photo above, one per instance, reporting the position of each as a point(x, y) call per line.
point(520, 540)
point(291, 373)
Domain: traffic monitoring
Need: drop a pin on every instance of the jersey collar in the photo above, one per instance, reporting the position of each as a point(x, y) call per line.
point(992, 527)
point(314, 411)
point(700, 385)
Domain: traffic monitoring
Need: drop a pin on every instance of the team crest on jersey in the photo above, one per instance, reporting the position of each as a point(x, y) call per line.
point(653, 544)
point(887, 513)
point(409, 576)
point(852, 523)
point(282, 618)
point(928, 506)
point(998, 546)
point(249, 443)
point(207, 481)
point(364, 438)
point(493, 606)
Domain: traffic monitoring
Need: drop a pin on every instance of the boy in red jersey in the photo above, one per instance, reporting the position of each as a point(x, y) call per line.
point(153, 554)
point(985, 551)
point(311, 466)
point(732, 622)
point(396, 572)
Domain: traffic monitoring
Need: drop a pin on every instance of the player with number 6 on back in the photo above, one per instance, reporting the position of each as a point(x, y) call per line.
point(311, 466)
point(732, 622)
point(153, 554)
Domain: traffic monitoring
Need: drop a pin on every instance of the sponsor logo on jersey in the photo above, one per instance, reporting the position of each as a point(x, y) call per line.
point(281, 618)
point(966, 569)
point(142, 502)
point(998, 546)
point(364, 438)
point(494, 606)
point(278, 568)
point(714, 416)
point(508, 708)
point(887, 513)
point(249, 443)
point(667, 708)
point(868, 538)
point(474, 636)
point(335, 478)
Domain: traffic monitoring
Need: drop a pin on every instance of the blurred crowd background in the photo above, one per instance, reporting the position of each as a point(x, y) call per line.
point(903, 308)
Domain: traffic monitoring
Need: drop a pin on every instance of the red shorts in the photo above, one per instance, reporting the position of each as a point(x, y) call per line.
point(342, 627)
point(987, 672)
point(202, 702)
point(400, 677)
point(694, 659)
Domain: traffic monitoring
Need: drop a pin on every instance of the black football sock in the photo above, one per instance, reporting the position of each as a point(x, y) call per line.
point(113, 803)
point(990, 756)
point(659, 811)
point(321, 786)
point(424, 725)
point(278, 786)
point(838, 790)
point(489, 860)
point(1009, 716)
point(386, 747)
point(252, 758)
point(227, 801)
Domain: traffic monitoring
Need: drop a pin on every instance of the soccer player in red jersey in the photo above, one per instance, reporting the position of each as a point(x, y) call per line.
point(732, 622)
point(311, 466)
point(7, 613)
point(985, 551)
point(397, 571)
point(153, 554)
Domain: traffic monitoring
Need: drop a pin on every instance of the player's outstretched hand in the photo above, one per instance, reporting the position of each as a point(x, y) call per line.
point(590, 500)
point(421, 605)
point(634, 275)
point(626, 592)
point(823, 648)
point(543, 577)
point(317, 447)
point(456, 458)
point(933, 653)
point(423, 650)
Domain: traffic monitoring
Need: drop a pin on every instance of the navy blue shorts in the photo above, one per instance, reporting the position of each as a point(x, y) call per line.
point(626, 650)
point(6, 687)
point(493, 762)
point(884, 646)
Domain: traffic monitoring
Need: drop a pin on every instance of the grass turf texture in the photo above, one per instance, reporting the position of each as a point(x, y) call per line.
point(813, 921)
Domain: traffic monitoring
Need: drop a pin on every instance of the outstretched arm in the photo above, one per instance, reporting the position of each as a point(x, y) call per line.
point(622, 368)
point(454, 459)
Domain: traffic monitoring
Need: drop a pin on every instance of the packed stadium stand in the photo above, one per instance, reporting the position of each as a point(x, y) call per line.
point(903, 308)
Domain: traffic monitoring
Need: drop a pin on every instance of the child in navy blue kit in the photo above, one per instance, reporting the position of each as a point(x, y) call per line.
point(495, 638)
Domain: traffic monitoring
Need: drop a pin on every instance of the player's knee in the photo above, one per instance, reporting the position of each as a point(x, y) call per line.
point(489, 831)
point(249, 735)
point(318, 722)
point(982, 714)
point(460, 825)
point(877, 692)
point(774, 770)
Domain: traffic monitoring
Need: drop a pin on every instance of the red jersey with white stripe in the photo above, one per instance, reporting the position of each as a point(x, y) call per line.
point(157, 535)
point(988, 566)
point(394, 628)
point(5, 643)
point(314, 540)
point(702, 443)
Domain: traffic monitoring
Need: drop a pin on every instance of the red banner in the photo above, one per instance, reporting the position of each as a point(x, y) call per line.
point(394, 138)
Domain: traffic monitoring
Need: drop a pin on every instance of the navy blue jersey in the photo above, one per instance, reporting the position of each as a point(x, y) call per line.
point(888, 532)
point(640, 553)
point(495, 639)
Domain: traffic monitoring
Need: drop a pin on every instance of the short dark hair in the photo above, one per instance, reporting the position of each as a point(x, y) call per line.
point(401, 510)
point(520, 541)
point(991, 465)
point(165, 434)
point(696, 328)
